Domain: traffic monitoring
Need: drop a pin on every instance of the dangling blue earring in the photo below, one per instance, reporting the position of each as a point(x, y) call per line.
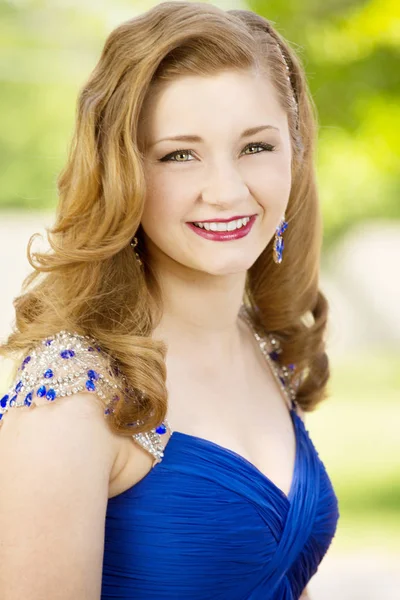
point(278, 242)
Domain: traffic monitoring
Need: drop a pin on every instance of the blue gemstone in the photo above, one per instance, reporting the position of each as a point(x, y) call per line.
point(90, 349)
point(48, 374)
point(161, 429)
point(12, 401)
point(3, 401)
point(292, 366)
point(98, 348)
point(90, 386)
point(107, 411)
point(28, 399)
point(51, 394)
point(25, 362)
point(1, 416)
point(49, 342)
point(65, 354)
point(274, 355)
point(41, 391)
point(92, 374)
point(282, 380)
point(279, 245)
point(282, 228)
point(19, 386)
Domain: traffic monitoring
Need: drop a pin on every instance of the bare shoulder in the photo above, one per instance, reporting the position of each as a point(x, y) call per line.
point(72, 425)
point(55, 437)
point(72, 371)
point(56, 504)
point(67, 373)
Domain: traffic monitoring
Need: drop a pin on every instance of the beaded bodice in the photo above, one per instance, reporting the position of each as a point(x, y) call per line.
point(68, 363)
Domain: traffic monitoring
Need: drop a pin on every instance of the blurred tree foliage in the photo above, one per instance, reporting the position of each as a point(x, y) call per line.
point(350, 51)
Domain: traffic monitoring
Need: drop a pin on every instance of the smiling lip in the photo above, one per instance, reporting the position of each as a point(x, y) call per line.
point(223, 236)
point(223, 220)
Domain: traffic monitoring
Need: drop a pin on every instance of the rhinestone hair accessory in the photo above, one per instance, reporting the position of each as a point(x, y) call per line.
point(288, 73)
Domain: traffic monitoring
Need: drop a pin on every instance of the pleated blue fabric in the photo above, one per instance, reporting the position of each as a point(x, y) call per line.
point(205, 523)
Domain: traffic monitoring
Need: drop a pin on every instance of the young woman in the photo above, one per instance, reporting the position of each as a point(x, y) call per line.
point(172, 338)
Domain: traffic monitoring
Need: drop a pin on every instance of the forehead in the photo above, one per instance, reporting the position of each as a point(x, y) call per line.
point(194, 104)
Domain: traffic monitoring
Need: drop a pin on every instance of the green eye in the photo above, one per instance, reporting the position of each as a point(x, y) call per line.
point(172, 156)
point(180, 152)
point(262, 145)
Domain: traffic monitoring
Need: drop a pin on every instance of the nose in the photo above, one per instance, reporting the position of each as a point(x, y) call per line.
point(224, 187)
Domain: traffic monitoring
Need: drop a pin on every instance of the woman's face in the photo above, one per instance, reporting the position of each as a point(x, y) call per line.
point(218, 177)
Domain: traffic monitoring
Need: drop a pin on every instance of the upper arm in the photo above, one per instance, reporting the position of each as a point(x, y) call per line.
point(56, 462)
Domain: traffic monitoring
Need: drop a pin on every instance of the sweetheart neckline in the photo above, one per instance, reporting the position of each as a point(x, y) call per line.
point(224, 450)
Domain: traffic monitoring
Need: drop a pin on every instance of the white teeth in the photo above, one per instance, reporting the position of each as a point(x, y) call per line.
point(227, 226)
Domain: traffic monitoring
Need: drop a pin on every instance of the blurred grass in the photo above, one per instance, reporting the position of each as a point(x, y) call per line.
point(356, 433)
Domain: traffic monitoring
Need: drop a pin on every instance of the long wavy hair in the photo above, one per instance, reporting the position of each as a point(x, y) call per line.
point(89, 281)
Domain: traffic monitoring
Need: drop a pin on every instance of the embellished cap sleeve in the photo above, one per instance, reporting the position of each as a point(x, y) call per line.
point(62, 365)
point(66, 364)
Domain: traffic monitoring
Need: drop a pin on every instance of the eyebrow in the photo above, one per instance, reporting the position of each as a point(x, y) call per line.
point(197, 138)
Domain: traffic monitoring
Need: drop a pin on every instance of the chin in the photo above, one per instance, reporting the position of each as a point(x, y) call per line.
point(226, 268)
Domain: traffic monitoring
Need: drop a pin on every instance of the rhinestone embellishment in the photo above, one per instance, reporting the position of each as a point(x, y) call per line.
point(72, 363)
point(58, 367)
point(282, 374)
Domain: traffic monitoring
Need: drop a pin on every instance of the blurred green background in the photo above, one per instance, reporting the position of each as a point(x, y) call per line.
point(350, 51)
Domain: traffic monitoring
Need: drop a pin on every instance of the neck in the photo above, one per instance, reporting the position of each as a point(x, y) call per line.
point(200, 312)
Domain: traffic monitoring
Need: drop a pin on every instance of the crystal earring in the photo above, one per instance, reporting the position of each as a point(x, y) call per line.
point(134, 243)
point(278, 242)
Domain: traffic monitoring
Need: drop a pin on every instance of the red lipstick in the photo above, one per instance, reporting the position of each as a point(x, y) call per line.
point(222, 220)
point(223, 236)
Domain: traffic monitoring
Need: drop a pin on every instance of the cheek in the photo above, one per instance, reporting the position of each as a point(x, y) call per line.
point(157, 204)
point(271, 186)
point(164, 210)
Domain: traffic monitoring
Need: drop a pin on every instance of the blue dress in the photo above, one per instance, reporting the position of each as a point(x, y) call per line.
point(204, 523)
